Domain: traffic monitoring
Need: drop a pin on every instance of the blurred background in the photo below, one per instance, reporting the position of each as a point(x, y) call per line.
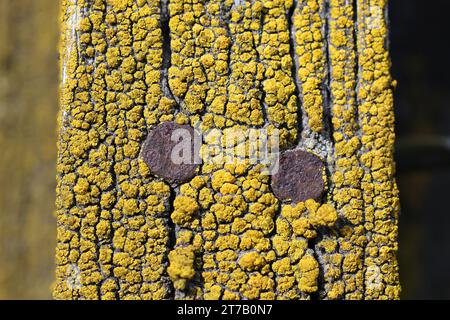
point(420, 55)
point(28, 108)
point(29, 104)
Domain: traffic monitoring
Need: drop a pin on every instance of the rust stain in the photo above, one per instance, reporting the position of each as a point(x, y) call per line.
point(158, 149)
point(300, 177)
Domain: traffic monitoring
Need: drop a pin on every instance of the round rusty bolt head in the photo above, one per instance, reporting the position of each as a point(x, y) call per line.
point(160, 155)
point(299, 177)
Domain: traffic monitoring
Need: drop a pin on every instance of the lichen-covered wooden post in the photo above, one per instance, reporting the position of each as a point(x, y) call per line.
point(131, 225)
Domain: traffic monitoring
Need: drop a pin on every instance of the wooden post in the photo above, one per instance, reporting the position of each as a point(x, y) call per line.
point(313, 73)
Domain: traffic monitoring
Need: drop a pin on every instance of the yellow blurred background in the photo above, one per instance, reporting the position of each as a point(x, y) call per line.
point(28, 110)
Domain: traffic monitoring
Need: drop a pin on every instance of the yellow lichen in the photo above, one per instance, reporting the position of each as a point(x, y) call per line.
point(308, 274)
point(180, 268)
point(310, 48)
point(231, 68)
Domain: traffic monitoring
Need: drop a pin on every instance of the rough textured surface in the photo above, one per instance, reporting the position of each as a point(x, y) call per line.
point(301, 176)
point(28, 109)
point(161, 142)
point(317, 70)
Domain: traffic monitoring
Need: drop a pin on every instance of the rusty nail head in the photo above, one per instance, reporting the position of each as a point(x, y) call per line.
point(157, 152)
point(300, 177)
